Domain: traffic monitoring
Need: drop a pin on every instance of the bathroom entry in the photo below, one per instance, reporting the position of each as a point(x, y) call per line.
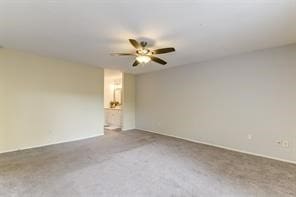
point(113, 99)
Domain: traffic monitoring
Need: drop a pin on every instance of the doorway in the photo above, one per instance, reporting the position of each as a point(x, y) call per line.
point(113, 80)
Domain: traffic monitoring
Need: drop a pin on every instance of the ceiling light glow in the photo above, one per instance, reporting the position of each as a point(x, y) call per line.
point(143, 59)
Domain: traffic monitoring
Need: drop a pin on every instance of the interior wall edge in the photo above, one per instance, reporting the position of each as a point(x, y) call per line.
point(219, 146)
point(51, 144)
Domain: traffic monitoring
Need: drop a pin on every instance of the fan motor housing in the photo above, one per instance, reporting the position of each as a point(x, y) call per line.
point(143, 43)
point(144, 51)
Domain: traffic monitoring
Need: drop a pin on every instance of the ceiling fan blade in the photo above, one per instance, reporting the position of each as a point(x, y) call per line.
point(164, 50)
point(136, 63)
point(122, 54)
point(158, 60)
point(135, 43)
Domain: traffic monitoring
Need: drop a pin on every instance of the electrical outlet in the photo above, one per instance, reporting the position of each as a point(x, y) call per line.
point(250, 136)
point(285, 143)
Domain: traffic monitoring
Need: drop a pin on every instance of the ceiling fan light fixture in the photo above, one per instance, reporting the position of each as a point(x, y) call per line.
point(143, 59)
point(144, 55)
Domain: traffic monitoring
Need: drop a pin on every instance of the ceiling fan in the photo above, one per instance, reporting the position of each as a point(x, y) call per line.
point(144, 54)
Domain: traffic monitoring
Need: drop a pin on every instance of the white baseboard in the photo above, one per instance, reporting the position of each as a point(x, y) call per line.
point(220, 146)
point(59, 142)
point(127, 129)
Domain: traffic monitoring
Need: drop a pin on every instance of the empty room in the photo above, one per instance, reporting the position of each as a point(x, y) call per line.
point(147, 98)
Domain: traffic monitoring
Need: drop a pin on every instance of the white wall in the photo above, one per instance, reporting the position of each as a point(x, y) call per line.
point(128, 110)
point(221, 102)
point(45, 101)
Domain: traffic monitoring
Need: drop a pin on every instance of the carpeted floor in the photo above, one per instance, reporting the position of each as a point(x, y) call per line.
point(138, 164)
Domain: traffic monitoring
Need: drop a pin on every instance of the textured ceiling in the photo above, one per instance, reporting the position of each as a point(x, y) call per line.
point(87, 31)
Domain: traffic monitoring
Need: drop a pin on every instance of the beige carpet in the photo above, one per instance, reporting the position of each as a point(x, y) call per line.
point(135, 164)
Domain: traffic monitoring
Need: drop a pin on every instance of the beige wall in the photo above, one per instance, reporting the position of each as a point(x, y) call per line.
point(128, 107)
point(222, 102)
point(45, 101)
